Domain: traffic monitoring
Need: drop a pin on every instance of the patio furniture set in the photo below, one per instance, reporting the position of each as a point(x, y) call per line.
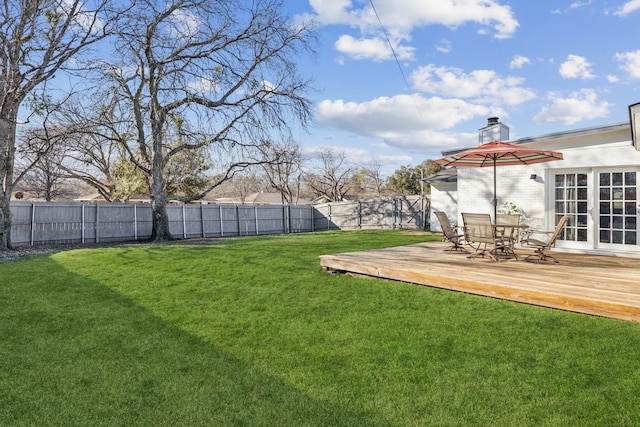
point(498, 240)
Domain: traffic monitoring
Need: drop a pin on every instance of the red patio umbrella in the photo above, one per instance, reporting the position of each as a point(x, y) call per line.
point(498, 154)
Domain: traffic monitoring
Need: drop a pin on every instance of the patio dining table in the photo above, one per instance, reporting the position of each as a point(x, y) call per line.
point(509, 234)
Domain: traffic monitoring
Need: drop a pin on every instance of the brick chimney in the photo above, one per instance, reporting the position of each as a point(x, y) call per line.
point(494, 131)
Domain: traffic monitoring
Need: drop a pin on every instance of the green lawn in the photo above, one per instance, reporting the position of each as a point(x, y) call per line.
point(251, 332)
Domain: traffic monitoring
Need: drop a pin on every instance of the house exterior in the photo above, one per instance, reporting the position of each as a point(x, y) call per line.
point(596, 184)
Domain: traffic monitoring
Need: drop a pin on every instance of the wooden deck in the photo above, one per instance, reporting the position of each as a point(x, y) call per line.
point(598, 285)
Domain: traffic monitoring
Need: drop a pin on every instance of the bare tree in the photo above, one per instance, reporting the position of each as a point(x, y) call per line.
point(37, 39)
point(186, 173)
point(206, 73)
point(284, 173)
point(92, 134)
point(40, 156)
point(370, 181)
point(93, 161)
point(333, 175)
point(244, 184)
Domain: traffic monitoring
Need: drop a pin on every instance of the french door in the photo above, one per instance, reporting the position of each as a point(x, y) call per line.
point(602, 206)
point(571, 198)
point(617, 208)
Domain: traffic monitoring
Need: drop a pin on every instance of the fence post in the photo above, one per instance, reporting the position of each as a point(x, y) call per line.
point(424, 213)
point(313, 218)
point(329, 217)
point(221, 224)
point(33, 223)
point(283, 212)
point(238, 220)
point(255, 212)
point(97, 223)
point(184, 222)
point(202, 219)
point(82, 225)
point(395, 212)
point(359, 215)
point(135, 222)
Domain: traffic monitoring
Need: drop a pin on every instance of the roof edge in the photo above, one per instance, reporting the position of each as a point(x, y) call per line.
point(557, 135)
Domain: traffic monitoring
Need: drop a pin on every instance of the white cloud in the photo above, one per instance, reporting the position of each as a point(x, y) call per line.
point(572, 6)
point(580, 106)
point(410, 122)
point(401, 17)
point(484, 86)
point(627, 8)
point(81, 17)
point(576, 67)
point(579, 4)
point(389, 114)
point(184, 23)
point(630, 63)
point(519, 61)
point(373, 48)
point(405, 15)
point(203, 85)
point(444, 46)
point(333, 12)
point(430, 143)
point(396, 160)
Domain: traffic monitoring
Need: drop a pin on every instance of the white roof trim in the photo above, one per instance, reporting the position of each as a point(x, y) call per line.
point(558, 135)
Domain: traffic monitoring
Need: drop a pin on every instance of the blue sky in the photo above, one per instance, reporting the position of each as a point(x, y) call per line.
point(540, 66)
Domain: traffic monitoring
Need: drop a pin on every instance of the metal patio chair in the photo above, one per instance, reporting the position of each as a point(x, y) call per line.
point(480, 234)
point(451, 233)
point(507, 234)
point(543, 241)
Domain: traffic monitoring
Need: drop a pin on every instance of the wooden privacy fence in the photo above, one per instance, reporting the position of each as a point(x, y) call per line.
point(57, 223)
point(384, 213)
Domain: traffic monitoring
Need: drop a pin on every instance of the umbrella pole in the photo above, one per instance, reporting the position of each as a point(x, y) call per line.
point(495, 196)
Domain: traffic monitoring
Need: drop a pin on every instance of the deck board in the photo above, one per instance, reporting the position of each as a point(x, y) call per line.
point(598, 285)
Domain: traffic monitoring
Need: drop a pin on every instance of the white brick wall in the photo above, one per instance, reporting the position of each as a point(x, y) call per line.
point(444, 199)
point(475, 190)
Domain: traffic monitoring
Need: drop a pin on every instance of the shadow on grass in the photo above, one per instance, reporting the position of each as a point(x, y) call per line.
point(75, 352)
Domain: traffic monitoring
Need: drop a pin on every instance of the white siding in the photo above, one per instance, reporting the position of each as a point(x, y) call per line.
point(444, 198)
point(475, 191)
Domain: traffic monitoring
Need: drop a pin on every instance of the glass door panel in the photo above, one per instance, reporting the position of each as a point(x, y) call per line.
point(571, 195)
point(617, 192)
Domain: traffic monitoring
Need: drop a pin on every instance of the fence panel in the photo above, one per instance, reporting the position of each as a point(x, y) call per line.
point(211, 215)
point(56, 223)
point(115, 222)
point(300, 219)
point(392, 212)
point(272, 219)
point(379, 213)
point(229, 220)
point(21, 223)
point(61, 223)
point(185, 221)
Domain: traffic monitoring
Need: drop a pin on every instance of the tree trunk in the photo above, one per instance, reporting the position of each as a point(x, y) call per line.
point(160, 231)
point(8, 118)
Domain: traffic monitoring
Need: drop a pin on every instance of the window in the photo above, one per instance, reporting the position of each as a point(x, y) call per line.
point(617, 203)
point(571, 199)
